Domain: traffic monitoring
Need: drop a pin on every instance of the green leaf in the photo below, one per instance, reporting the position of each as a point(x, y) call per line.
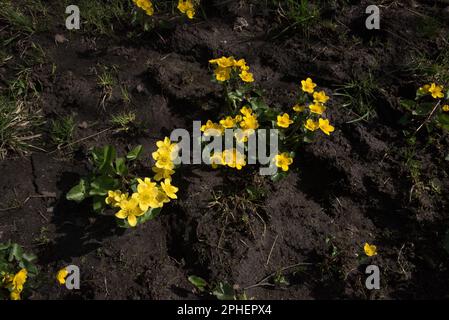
point(278, 176)
point(443, 120)
point(120, 167)
point(423, 109)
point(102, 184)
point(15, 252)
point(134, 153)
point(149, 215)
point(77, 193)
point(224, 292)
point(98, 203)
point(198, 282)
point(29, 257)
point(408, 104)
point(103, 159)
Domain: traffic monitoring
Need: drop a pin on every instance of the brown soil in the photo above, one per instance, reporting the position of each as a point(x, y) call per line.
point(351, 188)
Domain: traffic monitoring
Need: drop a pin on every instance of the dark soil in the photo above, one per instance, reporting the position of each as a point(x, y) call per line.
point(348, 189)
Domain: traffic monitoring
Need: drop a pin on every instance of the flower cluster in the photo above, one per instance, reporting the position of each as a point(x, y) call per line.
point(435, 90)
point(227, 67)
point(148, 194)
point(187, 7)
point(14, 283)
point(145, 5)
point(314, 110)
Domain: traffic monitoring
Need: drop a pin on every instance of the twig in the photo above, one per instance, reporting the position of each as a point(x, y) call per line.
point(25, 201)
point(82, 139)
point(429, 116)
point(263, 281)
point(271, 250)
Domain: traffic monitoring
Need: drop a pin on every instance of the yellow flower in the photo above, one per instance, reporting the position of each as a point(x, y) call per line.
point(320, 97)
point(61, 275)
point(145, 5)
point(298, 108)
point(166, 144)
point(424, 89)
point(187, 7)
point(283, 160)
point(15, 295)
point(246, 76)
point(169, 190)
point(308, 85)
point(325, 126)
point(223, 62)
point(370, 249)
point(249, 120)
point(228, 122)
point(161, 173)
point(19, 280)
point(284, 120)
point(114, 197)
point(222, 74)
point(164, 160)
point(241, 64)
point(436, 91)
point(311, 125)
point(212, 129)
point(317, 108)
point(233, 159)
point(146, 194)
point(446, 108)
point(130, 210)
point(246, 111)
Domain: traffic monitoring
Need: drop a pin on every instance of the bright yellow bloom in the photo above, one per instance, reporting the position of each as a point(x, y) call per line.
point(234, 159)
point(130, 210)
point(370, 249)
point(317, 108)
point(169, 190)
point(424, 89)
point(284, 121)
point(114, 197)
point(446, 108)
point(212, 129)
point(145, 5)
point(249, 123)
point(325, 126)
point(283, 160)
point(298, 108)
point(320, 97)
point(222, 74)
point(161, 173)
point(228, 122)
point(187, 7)
point(166, 144)
point(241, 64)
point(164, 160)
point(308, 85)
point(246, 111)
point(436, 91)
point(19, 280)
point(311, 125)
point(15, 295)
point(61, 275)
point(246, 76)
point(224, 62)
